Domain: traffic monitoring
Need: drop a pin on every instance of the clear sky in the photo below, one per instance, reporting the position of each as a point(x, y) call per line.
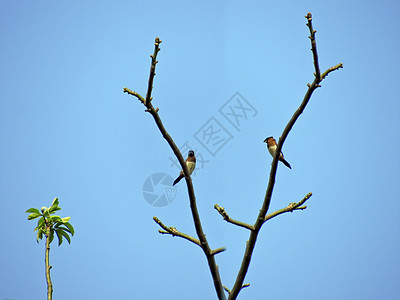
point(68, 131)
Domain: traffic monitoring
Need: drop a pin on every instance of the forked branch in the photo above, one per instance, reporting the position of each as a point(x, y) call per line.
point(267, 199)
point(203, 243)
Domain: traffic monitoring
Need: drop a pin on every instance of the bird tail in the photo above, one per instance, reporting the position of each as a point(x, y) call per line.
point(178, 179)
point(285, 163)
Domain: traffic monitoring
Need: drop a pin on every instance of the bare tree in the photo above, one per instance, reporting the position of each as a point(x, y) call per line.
point(262, 217)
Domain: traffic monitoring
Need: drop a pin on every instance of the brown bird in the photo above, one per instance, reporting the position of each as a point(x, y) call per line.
point(271, 144)
point(190, 163)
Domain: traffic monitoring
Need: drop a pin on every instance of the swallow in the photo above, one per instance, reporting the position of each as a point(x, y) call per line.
point(271, 144)
point(190, 163)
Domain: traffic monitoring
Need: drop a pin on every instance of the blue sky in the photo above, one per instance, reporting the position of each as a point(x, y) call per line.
point(68, 131)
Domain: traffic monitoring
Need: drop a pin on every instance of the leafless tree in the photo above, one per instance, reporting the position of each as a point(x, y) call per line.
point(262, 217)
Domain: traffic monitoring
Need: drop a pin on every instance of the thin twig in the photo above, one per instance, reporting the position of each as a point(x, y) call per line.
point(290, 208)
point(218, 250)
point(229, 291)
point(227, 218)
point(174, 232)
point(152, 69)
point(313, 46)
point(331, 69)
point(133, 93)
point(267, 199)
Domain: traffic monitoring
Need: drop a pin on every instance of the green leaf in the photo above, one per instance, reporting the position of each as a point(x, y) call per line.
point(65, 235)
point(55, 219)
point(46, 214)
point(34, 216)
point(63, 227)
point(40, 223)
point(70, 228)
point(55, 202)
point(39, 235)
point(66, 219)
point(51, 235)
point(33, 210)
point(54, 209)
point(54, 206)
point(60, 225)
point(59, 235)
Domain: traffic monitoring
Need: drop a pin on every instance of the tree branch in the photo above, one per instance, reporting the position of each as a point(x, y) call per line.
point(218, 250)
point(229, 291)
point(133, 93)
point(313, 46)
point(152, 69)
point(267, 199)
point(331, 69)
point(290, 208)
point(227, 218)
point(193, 206)
point(174, 232)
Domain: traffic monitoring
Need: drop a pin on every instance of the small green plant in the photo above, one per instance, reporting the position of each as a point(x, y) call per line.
point(46, 226)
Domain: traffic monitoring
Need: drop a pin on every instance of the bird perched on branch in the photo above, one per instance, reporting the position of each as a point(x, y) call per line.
point(271, 144)
point(190, 163)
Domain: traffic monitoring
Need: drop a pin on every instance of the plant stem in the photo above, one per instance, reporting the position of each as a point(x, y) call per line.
point(48, 267)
